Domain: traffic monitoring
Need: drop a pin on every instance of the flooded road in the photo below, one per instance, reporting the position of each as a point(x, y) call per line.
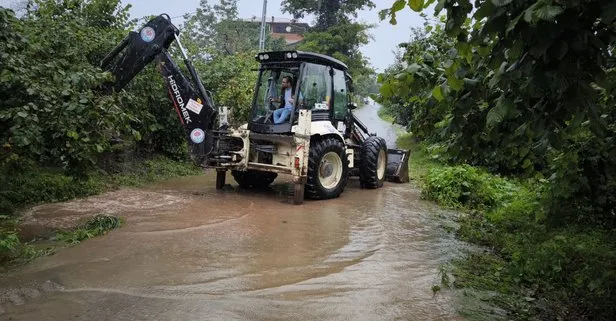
point(190, 252)
point(369, 116)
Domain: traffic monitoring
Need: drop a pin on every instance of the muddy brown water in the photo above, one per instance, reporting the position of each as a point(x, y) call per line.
point(190, 252)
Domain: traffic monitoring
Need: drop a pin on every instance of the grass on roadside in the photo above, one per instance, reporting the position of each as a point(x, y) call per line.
point(537, 271)
point(419, 159)
point(96, 226)
point(385, 115)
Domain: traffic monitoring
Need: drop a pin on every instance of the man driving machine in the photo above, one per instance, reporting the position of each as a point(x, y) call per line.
point(288, 97)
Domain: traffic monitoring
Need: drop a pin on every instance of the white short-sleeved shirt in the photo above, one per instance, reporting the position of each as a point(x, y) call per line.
point(287, 97)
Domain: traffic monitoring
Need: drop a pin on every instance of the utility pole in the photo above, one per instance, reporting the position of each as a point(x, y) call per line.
point(262, 33)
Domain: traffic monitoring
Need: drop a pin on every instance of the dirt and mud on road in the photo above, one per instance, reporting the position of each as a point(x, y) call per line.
point(189, 252)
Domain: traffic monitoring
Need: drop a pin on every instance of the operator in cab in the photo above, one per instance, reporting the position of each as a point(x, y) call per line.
point(286, 100)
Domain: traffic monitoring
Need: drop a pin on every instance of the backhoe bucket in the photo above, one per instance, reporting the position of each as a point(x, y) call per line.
point(397, 166)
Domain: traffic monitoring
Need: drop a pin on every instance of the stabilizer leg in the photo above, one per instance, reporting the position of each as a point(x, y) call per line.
point(298, 193)
point(221, 176)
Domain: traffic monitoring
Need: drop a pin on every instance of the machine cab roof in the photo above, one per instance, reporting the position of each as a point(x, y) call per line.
point(282, 56)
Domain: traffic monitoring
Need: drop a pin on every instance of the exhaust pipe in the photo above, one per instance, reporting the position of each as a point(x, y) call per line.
point(397, 166)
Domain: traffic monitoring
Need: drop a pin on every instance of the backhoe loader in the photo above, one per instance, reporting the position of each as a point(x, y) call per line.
point(320, 143)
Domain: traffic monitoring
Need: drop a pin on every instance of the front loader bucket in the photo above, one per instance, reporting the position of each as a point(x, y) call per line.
point(397, 166)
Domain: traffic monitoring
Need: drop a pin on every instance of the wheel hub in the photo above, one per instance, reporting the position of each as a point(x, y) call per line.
point(330, 170)
point(326, 169)
point(381, 165)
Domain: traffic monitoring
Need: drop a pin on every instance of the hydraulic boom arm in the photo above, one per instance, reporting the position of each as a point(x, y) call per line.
point(194, 106)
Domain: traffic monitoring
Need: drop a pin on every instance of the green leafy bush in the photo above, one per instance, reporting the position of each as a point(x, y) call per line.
point(231, 78)
point(509, 87)
point(464, 186)
point(9, 240)
point(537, 270)
point(11, 247)
point(524, 89)
point(154, 169)
point(51, 111)
point(29, 184)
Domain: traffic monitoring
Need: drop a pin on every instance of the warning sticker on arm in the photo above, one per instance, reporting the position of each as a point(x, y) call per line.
point(194, 106)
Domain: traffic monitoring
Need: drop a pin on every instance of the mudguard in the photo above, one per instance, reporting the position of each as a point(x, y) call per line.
point(397, 166)
point(323, 128)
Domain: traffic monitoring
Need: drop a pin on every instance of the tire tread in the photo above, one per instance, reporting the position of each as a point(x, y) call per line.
point(318, 147)
point(369, 162)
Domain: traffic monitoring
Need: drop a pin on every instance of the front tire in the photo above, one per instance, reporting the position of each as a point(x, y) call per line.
point(252, 178)
point(328, 169)
point(373, 162)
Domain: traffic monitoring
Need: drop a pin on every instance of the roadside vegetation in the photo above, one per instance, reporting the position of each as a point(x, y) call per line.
point(98, 225)
point(386, 115)
point(511, 114)
point(538, 271)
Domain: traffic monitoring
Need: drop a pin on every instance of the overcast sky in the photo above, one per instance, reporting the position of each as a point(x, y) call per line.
point(379, 51)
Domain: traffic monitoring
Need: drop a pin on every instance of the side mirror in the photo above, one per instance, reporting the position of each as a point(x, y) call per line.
point(352, 106)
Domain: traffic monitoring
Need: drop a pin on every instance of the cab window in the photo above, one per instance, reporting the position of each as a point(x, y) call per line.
point(269, 85)
point(315, 87)
point(341, 95)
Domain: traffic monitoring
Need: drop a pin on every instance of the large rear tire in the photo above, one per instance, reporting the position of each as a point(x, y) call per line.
point(328, 169)
point(254, 179)
point(373, 162)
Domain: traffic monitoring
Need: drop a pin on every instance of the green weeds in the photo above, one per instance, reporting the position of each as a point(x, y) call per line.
point(12, 251)
point(96, 226)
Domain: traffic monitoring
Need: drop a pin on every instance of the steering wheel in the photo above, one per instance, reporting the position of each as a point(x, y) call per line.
point(269, 112)
point(271, 105)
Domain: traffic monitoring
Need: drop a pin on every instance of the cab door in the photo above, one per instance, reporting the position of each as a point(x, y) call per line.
point(341, 97)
